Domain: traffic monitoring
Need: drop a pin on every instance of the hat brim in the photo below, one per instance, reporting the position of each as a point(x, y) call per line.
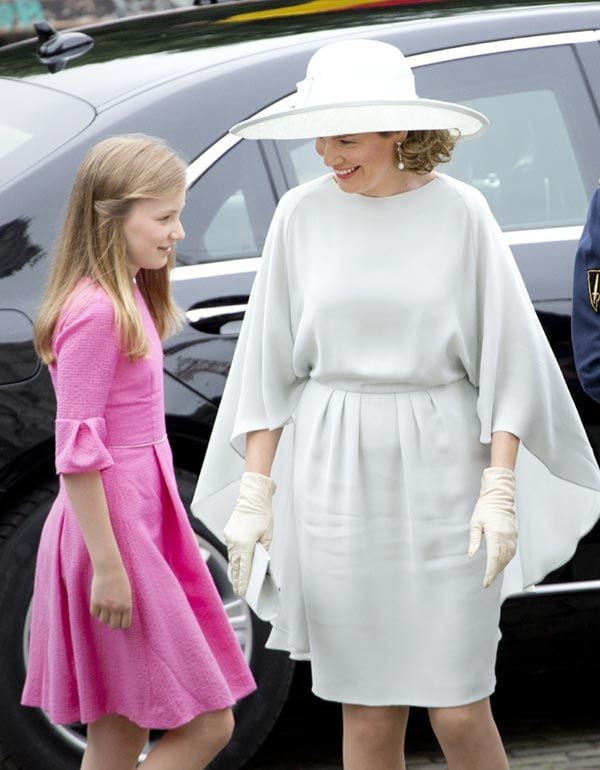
point(363, 117)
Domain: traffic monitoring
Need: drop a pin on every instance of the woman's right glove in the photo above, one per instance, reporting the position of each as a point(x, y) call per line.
point(251, 522)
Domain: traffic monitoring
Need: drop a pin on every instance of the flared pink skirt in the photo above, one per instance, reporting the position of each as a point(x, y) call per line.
point(179, 658)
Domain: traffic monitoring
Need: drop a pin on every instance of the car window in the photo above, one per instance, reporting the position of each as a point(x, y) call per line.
point(531, 163)
point(305, 163)
point(228, 209)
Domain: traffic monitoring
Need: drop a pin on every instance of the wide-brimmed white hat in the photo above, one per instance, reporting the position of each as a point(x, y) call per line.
point(358, 86)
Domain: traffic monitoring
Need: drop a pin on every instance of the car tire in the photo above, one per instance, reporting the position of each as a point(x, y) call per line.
point(27, 739)
point(256, 715)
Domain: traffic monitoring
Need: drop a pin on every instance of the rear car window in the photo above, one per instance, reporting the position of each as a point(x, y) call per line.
point(39, 121)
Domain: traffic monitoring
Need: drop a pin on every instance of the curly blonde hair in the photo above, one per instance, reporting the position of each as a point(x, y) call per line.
point(422, 151)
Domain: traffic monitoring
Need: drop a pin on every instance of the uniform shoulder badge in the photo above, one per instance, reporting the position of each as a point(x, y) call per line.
point(593, 277)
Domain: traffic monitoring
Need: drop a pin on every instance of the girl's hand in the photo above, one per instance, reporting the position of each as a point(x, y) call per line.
point(111, 597)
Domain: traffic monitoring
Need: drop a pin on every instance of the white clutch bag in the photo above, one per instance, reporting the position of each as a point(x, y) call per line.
point(262, 594)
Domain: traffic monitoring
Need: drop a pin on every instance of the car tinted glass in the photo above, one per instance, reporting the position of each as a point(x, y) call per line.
point(305, 162)
point(39, 121)
point(530, 163)
point(528, 174)
point(228, 209)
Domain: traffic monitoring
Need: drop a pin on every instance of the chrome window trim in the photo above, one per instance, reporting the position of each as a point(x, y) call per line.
point(543, 235)
point(213, 269)
point(204, 161)
point(250, 264)
point(502, 46)
point(210, 156)
point(559, 588)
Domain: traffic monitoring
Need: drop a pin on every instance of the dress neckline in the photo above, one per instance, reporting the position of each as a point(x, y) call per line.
point(394, 196)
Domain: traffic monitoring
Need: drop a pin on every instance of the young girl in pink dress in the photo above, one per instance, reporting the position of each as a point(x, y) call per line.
point(128, 631)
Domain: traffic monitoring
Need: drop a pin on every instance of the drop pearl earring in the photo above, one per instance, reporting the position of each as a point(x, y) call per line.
point(400, 161)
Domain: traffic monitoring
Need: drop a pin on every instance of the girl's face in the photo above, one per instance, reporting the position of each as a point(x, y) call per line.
point(151, 229)
point(364, 163)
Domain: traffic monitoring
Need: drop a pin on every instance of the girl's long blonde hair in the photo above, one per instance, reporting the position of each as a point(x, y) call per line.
point(114, 174)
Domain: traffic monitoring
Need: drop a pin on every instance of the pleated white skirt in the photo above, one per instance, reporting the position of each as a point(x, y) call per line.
point(377, 587)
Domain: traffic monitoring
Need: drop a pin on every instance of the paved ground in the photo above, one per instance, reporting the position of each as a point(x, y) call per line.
point(544, 725)
point(563, 751)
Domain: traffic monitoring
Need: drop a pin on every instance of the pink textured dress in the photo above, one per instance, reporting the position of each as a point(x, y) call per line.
point(180, 656)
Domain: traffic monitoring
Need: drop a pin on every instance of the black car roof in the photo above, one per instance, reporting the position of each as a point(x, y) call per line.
point(137, 52)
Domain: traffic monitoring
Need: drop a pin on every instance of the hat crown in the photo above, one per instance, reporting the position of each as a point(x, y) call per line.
point(354, 87)
point(356, 71)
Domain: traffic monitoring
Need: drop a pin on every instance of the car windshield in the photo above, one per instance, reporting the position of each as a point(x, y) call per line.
point(39, 121)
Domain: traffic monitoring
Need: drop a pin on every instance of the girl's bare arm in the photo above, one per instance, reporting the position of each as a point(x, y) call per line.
point(111, 591)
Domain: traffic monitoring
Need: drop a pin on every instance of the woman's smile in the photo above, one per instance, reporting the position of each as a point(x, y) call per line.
point(345, 173)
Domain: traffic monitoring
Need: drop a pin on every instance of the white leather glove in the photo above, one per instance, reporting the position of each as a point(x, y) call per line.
point(494, 517)
point(251, 522)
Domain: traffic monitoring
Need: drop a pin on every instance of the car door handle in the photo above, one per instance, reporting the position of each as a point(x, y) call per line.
point(212, 319)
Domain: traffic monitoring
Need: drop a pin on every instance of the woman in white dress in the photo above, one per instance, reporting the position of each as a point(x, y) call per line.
point(390, 374)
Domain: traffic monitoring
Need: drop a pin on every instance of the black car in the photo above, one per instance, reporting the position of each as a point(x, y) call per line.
point(187, 76)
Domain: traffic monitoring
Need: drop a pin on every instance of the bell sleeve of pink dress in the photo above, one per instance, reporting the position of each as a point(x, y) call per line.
point(86, 354)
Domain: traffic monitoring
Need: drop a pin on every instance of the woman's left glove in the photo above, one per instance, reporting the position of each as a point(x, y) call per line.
point(250, 523)
point(494, 517)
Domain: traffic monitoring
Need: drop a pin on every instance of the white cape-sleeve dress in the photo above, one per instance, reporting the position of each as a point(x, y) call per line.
point(391, 336)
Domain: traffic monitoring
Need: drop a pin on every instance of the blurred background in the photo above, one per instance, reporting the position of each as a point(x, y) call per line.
point(17, 16)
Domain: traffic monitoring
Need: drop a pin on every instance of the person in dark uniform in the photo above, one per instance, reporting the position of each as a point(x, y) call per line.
point(585, 323)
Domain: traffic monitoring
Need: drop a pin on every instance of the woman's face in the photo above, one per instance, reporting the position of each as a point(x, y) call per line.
point(363, 163)
point(151, 229)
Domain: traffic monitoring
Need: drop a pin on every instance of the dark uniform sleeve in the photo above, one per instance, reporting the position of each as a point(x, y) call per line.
point(586, 302)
